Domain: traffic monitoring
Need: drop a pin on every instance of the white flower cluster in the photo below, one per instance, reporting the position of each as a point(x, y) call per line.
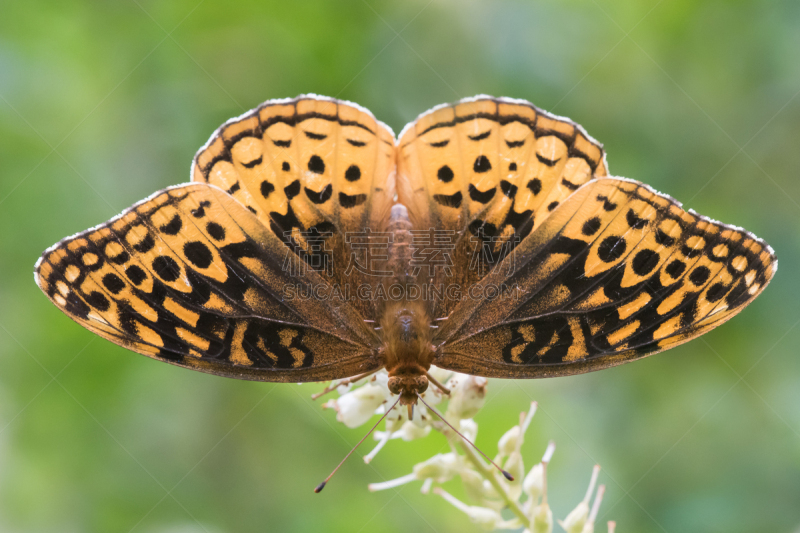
point(525, 496)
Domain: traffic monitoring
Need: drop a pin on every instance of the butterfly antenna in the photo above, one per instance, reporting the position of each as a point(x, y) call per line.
point(437, 413)
point(322, 485)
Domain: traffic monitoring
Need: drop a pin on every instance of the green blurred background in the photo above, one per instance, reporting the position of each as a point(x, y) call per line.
point(103, 103)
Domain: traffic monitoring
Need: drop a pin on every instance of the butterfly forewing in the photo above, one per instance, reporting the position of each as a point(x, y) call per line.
point(491, 171)
point(191, 277)
point(313, 170)
point(616, 273)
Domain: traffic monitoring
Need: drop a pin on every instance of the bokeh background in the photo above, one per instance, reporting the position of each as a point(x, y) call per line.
point(103, 103)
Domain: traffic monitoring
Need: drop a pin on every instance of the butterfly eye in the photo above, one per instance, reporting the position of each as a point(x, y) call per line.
point(394, 385)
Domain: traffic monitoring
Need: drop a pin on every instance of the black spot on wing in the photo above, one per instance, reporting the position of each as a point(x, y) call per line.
point(512, 167)
point(591, 226)
point(356, 143)
point(320, 197)
point(716, 292)
point(216, 231)
point(535, 185)
point(98, 301)
point(173, 226)
point(607, 204)
point(509, 189)
point(353, 173)
point(267, 188)
point(166, 268)
point(675, 268)
point(569, 185)
point(121, 258)
point(285, 166)
point(482, 197)
point(200, 211)
point(664, 239)
point(254, 162)
point(347, 201)
point(135, 274)
point(315, 136)
point(449, 200)
point(515, 144)
point(480, 136)
point(644, 262)
point(634, 220)
point(292, 190)
point(113, 283)
point(699, 275)
point(611, 248)
point(198, 254)
point(235, 187)
point(145, 245)
point(482, 164)
point(316, 164)
point(445, 174)
point(548, 162)
point(282, 144)
point(441, 144)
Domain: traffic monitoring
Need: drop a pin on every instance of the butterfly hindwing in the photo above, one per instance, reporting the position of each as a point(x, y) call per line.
point(616, 273)
point(191, 277)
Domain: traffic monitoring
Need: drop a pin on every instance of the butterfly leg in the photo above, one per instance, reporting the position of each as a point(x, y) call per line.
point(335, 384)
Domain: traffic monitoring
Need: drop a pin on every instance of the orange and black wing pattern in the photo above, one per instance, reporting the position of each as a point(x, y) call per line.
point(490, 170)
point(615, 273)
point(192, 277)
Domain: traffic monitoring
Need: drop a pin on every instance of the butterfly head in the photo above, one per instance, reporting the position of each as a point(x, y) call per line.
point(408, 387)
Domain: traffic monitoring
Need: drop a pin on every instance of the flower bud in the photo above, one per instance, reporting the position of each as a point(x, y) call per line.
point(542, 519)
point(533, 485)
point(508, 442)
point(358, 406)
point(467, 397)
point(473, 484)
point(440, 467)
point(576, 519)
point(488, 519)
point(410, 431)
point(516, 467)
point(469, 428)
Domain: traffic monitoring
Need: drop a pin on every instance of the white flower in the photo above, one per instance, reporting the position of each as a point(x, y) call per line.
point(488, 519)
point(357, 406)
point(525, 496)
point(577, 518)
point(533, 485)
point(440, 467)
point(467, 396)
point(542, 519)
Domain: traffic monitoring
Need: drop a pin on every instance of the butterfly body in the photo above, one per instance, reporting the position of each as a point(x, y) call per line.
point(487, 238)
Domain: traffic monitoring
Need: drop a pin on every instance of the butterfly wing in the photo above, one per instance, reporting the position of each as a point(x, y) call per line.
point(490, 171)
point(191, 277)
point(617, 272)
point(562, 269)
point(313, 170)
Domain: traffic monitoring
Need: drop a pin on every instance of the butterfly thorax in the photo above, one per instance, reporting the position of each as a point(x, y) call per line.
point(407, 351)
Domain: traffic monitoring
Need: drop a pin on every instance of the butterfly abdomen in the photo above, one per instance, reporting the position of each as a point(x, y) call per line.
point(407, 351)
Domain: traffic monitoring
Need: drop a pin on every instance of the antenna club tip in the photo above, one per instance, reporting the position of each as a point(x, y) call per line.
point(507, 475)
point(319, 487)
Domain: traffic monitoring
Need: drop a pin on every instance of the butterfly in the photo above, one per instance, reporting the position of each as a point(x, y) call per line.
point(488, 238)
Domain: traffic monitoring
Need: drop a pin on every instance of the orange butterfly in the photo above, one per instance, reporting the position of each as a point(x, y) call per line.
point(488, 239)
